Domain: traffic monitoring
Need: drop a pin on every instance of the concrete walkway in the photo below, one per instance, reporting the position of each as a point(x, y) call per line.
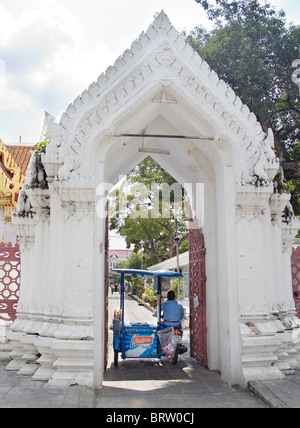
point(149, 384)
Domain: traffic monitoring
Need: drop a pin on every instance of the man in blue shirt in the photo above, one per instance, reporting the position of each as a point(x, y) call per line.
point(172, 311)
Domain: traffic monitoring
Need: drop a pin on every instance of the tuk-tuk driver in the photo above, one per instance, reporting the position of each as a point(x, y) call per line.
point(172, 311)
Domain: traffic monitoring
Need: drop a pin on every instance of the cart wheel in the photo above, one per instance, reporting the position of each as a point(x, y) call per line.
point(116, 357)
point(175, 358)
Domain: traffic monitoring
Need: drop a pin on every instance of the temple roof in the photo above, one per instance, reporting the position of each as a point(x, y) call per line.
point(14, 161)
point(21, 155)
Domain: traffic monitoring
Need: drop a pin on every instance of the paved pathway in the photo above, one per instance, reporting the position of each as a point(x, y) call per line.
point(159, 384)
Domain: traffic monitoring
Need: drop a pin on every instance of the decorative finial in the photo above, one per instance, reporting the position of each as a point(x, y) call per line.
point(162, 22)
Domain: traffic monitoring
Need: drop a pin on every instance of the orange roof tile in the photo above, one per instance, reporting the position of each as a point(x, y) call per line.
point(21, 155)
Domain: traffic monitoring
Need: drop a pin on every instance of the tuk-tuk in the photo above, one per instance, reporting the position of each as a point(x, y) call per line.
point(139, 340)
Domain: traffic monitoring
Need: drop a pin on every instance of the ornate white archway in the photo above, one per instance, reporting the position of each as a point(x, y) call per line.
point(160, 84)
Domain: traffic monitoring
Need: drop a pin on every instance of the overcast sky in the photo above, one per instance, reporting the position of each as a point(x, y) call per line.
point(51, 50)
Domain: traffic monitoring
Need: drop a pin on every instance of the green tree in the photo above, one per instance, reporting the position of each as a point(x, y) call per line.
point(134, 261)
point(252, 48)
point(132, 214)
point(292, 176)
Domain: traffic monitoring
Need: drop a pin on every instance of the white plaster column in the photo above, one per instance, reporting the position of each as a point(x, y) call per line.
point(99, 275)
point(227, 284)
point(251, 205)
point(69, 350)
point(53, 308)
point(40, 292)
point(77, 201)
point(39, 199)
point(256, 291)
point(26, 236)
point(78, 257)
point(56, 259)
point(275, 252)
point(41, 253)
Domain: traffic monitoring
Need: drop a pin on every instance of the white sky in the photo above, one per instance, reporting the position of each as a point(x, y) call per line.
point(51, 50)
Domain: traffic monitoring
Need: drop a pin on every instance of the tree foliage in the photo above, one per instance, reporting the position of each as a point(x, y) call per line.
point(131, 214)
point(251, 47)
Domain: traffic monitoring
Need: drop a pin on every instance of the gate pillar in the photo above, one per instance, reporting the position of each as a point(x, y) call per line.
point(267, 312)
point(197, 278)
point(296, 278)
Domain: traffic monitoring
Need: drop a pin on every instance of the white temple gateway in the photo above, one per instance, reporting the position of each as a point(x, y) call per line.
point(159, 84)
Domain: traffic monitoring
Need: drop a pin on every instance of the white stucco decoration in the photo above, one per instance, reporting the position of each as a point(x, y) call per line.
point(159, 55)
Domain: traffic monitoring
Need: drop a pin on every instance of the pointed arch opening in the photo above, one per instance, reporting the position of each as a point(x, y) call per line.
point(158, 231)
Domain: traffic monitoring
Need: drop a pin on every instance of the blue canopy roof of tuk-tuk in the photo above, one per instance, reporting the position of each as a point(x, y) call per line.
point(161, 273)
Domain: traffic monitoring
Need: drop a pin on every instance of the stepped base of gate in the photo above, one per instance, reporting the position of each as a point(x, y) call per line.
point(61, 351)
point(58, 353)
point(270, 345)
